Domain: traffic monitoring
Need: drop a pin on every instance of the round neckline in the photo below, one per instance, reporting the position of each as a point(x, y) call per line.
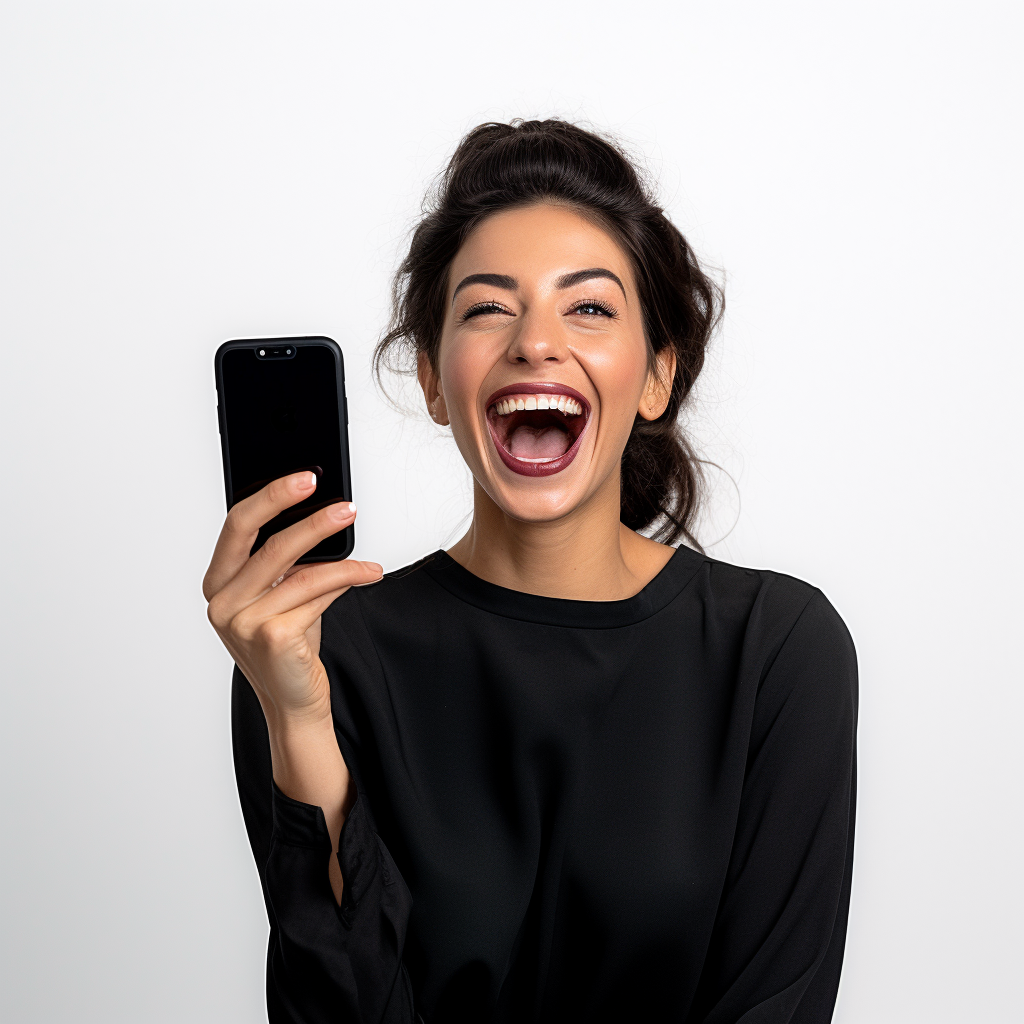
point(560, 611)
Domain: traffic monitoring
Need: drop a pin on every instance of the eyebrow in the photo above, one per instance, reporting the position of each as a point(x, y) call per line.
point(503, 281)
point(579, 276)
point(510, 284)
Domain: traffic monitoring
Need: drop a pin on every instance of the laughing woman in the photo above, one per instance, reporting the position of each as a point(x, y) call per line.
point(563, 771)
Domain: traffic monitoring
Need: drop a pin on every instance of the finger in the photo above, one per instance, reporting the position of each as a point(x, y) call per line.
point(279, 631)
point(243, 522)
point(282, 549)
point(308, 582)
point(295, 568)
point(260, 574)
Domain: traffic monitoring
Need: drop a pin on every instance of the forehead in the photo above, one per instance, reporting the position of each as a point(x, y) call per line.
point(536, 242)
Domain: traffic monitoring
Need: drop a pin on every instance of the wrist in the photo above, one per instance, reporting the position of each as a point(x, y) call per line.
point(307, 763)
point(300, 721)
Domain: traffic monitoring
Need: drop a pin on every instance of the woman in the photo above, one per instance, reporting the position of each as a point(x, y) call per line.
point(562, 771)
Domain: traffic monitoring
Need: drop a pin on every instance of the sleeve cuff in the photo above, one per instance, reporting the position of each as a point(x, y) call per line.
point(360, 858)
point(303, 825)
point(299, 824)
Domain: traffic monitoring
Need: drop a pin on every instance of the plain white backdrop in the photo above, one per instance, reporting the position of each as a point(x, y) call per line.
point(172, 175)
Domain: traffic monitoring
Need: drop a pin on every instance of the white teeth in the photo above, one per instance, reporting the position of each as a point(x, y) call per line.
point(527, 403)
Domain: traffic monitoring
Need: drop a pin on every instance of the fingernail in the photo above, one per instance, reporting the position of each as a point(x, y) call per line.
point(371, 583)
point(307, 481)
point(342, 511)
point(375, 568)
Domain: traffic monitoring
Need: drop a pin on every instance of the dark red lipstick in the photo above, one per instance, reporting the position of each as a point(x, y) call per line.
point(515, 422)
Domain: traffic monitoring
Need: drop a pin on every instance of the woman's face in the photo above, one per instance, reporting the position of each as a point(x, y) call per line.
point(543, 363)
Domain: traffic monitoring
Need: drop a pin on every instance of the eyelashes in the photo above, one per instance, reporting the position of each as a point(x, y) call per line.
point(586, 307)
point(481, 308)
point(595, 307)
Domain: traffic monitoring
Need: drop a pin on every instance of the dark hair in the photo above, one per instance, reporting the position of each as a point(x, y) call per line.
point(501, 166)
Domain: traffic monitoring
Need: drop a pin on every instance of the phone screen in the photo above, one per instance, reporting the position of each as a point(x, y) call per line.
point(282, 413)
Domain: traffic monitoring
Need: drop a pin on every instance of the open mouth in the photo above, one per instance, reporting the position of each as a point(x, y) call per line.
point(537, 427)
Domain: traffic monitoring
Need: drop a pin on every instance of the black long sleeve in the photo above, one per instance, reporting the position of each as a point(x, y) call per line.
point(325, 963)
point(777, 945)
point(597, 811)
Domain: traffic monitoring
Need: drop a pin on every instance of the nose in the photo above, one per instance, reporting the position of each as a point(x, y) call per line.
point(537, 340)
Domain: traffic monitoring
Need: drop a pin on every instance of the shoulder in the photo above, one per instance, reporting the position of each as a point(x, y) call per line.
point(795, 660)
point(776, 613)
point(777, 597)
point(371, 625)
point(402, 598)
point(401, 590)
point(807, 678)
point(807, 691)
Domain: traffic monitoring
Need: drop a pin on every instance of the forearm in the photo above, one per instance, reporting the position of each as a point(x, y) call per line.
point(308, 767)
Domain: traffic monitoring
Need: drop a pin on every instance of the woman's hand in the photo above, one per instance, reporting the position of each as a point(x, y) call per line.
point(267, 611)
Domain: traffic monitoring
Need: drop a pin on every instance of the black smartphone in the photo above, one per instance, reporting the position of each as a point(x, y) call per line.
point(281, 408)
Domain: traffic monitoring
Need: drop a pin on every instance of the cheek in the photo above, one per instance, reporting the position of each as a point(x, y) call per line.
point(463, 367)
point(619, 372)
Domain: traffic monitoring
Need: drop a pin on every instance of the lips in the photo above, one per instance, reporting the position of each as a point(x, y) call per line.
point(530, 439)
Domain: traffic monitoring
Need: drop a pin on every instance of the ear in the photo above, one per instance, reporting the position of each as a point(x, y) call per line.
point(431, 385)
point(658, 390)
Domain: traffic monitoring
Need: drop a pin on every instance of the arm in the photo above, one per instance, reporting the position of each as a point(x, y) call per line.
point(308, 768)
point(777, 945)
point(324, 962)
point(311, 837)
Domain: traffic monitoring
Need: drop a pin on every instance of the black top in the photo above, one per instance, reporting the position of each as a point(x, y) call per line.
point(635, 810)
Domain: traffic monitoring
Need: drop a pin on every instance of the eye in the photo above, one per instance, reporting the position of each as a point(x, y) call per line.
point(482, 309)
point(593, 307)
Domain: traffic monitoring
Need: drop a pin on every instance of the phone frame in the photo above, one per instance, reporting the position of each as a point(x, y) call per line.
point(339, 364)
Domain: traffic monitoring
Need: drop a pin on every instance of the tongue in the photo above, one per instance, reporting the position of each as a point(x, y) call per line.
point(537, 442)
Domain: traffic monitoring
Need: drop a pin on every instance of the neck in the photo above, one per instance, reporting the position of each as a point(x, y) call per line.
point(587, 555)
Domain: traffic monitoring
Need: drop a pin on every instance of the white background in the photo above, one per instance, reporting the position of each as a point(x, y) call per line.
point(177, 174)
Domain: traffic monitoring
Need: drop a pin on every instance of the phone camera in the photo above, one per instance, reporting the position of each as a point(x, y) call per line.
point(276, 352)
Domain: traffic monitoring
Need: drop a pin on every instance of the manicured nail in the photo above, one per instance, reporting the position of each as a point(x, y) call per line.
point(307, 481)
point(375, 568)
point(342, 511)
